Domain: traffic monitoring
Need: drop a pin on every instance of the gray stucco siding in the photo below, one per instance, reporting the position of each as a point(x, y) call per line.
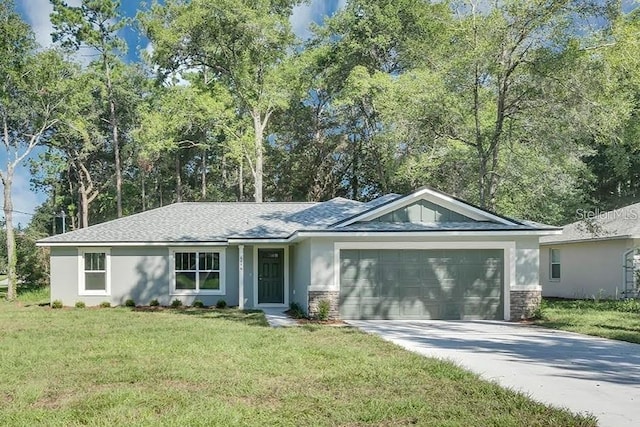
point(301, 273)
point(138, 273)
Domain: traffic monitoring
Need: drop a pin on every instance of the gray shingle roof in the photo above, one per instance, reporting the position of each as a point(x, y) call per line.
point(616, 224)
point(218, 222)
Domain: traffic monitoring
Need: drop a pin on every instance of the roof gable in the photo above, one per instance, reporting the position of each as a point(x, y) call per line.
point(432, 204)
point(422, 211)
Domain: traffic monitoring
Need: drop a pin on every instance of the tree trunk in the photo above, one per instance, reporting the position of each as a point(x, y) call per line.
point(240, 182)
point(203, 176)
point(144, 192)
point(113, 121)
point(178, 179)
point(258, 141)
point(84, 206)
point(12, 259)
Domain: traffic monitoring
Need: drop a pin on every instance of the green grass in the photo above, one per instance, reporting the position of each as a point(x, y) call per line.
point(224, 367)
point(618, 320)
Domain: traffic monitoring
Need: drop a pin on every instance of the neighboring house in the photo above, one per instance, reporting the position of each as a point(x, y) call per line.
point(598, 256)
point(423, 255)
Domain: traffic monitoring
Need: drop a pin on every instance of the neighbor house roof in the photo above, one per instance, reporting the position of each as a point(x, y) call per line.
point(204, 222)
point(620, 223)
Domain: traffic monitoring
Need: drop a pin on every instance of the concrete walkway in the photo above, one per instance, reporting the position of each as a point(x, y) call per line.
point(278, 318)
point(582, 373)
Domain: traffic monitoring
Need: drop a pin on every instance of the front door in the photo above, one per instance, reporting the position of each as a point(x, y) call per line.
point(270, 276)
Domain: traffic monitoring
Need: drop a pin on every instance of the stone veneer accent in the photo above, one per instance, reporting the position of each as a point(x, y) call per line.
point(524, 304)
point(332, 296)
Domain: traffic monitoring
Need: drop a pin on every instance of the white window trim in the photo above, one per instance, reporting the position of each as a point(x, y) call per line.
point(286, 275)
point(551, 263)
point(107, 266)
point(197, 249)
point(509, 261)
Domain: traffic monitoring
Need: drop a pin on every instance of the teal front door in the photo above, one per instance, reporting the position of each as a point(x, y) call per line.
point(270, 276)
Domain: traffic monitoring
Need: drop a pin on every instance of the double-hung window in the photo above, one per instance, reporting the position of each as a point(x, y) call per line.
point(554, 264)
point(198, 271)
point(94, 271)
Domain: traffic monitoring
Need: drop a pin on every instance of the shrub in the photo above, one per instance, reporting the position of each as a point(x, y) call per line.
point(56, 304)
point(129, 303)
point(296, 311)
point(80, 304)
point(154, 303)
point(323, 309)
point(221, 304)
point(105, 304)
point(176, 303)
point(198, 304)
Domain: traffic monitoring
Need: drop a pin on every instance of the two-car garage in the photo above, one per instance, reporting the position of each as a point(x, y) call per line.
point(421, 283)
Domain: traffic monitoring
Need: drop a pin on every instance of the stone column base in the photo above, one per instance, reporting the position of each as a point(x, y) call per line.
point(524, 304)
point(315, 297)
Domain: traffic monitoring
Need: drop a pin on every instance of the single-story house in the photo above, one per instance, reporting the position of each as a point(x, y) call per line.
point(597, 256)
point(418, 256)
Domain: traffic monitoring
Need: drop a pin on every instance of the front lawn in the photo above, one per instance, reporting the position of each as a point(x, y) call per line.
point(618, 320)
point(224, 367)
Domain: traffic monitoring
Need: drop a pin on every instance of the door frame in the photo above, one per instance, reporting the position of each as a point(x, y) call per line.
point(509, 259)
point(286, 275)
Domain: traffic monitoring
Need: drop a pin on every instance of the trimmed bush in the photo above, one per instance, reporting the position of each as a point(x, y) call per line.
point(176, 303)
point(198, 304)
point(296, 311)
point(154, 303)
point(80, 304)
point(129, 303)
point(105, 304)
point(323, 309)
point(221, 304)
point(56, 304)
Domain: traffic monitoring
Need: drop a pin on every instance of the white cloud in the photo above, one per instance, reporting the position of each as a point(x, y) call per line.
point(38, 16)
point(314, 11)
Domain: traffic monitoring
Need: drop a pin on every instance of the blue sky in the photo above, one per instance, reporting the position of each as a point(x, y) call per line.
point(36, 13)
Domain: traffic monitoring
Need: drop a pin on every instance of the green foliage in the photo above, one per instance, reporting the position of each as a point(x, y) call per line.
point(198, 304)
point(176, 303)
point(56, 304)
point(296, 311)
point(80, 304)
point(154, 303)
point(105, 304)
point(536, 112)
point(129, 303)
point(324, 308)
point(221, 304)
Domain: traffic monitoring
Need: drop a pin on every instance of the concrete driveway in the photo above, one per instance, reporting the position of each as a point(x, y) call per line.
point(582, 373)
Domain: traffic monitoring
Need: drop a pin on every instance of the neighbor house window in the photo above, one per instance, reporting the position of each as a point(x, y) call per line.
point(94, 275)
point(554, 258)
point(198, 271)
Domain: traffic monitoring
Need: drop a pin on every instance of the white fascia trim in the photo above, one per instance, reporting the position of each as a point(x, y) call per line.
point(231, 240)
point(449, 203)
point(107, 274)
point(509, 262)
point(493, 233)
point(255, 275)
point(128, 244)
point(589, 240)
